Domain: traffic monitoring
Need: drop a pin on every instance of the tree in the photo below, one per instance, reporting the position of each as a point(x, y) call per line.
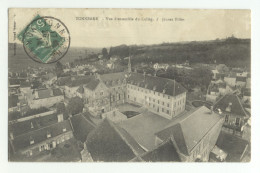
point(75, 105)
point(104, 53)
point(222, 68)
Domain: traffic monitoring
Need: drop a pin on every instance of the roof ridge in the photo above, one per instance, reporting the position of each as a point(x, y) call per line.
point(40, 128)
point(241, 105)
point(123, 137)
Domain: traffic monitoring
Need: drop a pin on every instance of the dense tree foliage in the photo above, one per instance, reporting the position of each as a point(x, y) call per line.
point(75, 105)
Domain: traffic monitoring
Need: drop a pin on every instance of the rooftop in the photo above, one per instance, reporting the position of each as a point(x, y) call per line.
point(233, 146)
point(142, 127)
point(158, 84)
point(190, 128)
point(236, 107)
point(32, 124)
point(39, 135)
point(108, 142)
point(82, 126)
point(165, 152)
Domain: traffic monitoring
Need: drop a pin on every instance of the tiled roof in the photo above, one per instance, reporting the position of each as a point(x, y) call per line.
point(80, 89)
point(44, 93)
point(109, 78)
point(57, 92)
point(165, 152)
point(63, 80)
point(110, 143)
point(82, 126)
point(236, 107)
point(40, 135)
point(190, 128)
point(92, 84)
point(157, 84)
point(25, 84)
point(240, 79)
point(37, 123)
point(232, 145)
point(79, 80)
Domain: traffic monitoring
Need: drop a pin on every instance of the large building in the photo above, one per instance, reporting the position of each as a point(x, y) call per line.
point(194, 133)
point(162, 96)
point(35, 135)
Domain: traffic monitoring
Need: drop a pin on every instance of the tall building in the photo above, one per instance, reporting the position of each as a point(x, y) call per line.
point(162, 96)
point(194, 133)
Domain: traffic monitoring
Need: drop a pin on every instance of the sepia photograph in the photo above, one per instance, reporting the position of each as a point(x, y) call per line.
point(129, 85)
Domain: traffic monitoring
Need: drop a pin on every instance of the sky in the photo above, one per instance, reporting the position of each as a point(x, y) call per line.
point(192, 25)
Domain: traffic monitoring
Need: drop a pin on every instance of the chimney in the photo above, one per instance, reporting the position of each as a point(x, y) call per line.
point(32, 125)
point(60, 117)
point(219, 111)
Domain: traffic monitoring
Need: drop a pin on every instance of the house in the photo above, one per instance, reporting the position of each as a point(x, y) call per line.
point(13, 103)
point(194, 133)
point(49, 79)
point(73, 84)
point(45, 98)
point(25, 88)
point(103, 92)
point(232, 109)
point(162, 96)
point(34, 136)
point(241, 81)
point(236, 148)
point(110, 143)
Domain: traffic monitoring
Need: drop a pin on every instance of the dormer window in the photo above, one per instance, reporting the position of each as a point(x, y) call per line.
point(64, 129)
point(31, 141)
point(146, 85)
point(48, 134)
point(154, 88)
point(163, 91)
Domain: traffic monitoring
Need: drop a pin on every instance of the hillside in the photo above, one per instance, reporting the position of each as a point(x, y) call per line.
point(21, 59)
point(232, 52)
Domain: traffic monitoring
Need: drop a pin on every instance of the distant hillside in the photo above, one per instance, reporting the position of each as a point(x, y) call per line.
point(232, 52)
point(21, 59)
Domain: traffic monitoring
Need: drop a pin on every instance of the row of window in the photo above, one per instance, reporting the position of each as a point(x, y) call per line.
point(148, 91)
point(237, 120)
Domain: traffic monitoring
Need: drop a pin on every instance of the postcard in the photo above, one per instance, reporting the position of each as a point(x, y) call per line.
point(129, 85)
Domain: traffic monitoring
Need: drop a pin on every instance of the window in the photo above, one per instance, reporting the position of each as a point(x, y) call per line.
point(168, 112)
point(48, 135)
point(162, 103)
point(226, 118)
point(158, 101)
point(168, 97)
point(158, 94)
point(162, 109)
point(237, 121)
point(153, 100)
point(31, 141)
point(168, 105)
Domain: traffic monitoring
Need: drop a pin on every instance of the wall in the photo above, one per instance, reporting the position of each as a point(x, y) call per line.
point(47, 102)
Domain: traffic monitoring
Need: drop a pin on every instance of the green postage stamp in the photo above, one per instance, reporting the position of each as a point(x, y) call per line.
point(45, 39)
